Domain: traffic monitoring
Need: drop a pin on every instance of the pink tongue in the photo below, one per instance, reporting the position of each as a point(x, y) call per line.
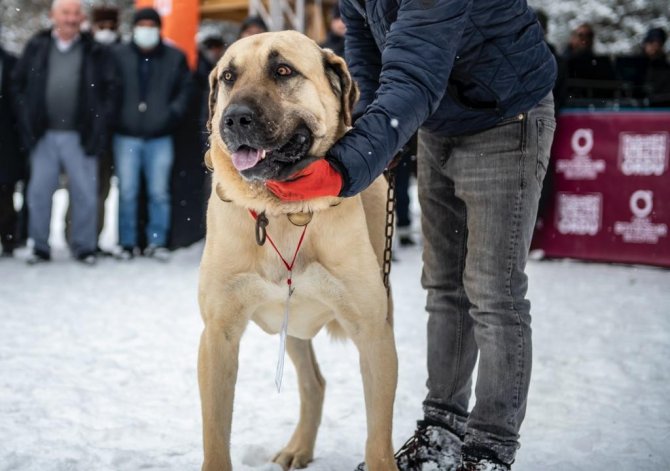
point(247, 158)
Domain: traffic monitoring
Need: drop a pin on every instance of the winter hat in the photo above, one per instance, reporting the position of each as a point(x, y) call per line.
point(99, 14)
point(655, 35)
point(253, 21)
point(336, 10)
point(147, 14)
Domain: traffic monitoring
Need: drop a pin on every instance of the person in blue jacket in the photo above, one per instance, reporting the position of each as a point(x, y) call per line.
point(475, 78)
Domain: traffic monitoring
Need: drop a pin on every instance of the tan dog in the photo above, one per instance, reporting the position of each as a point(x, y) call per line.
point(278, 102)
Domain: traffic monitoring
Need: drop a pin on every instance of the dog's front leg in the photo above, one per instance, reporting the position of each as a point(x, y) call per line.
point(217, 374)
point(379, 369)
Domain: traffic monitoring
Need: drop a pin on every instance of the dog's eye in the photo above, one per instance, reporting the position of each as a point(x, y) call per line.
point(284, 71)
point(228, 76)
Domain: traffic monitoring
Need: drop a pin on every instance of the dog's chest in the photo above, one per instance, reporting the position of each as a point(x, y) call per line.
point(310, 305)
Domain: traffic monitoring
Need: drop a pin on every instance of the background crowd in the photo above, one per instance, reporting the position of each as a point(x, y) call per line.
point(81, 106)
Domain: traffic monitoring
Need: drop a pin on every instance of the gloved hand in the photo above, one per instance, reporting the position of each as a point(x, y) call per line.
point(317, 179)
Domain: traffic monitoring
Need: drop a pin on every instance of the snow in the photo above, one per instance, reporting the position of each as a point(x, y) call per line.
point(98, 370)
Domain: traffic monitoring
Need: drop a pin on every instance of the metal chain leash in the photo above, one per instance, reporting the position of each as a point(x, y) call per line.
point(389, 173)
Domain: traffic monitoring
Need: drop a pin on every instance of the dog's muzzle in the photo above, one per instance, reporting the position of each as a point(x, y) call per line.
point(255, 154)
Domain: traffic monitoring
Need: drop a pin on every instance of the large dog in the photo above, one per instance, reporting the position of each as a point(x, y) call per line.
point(278, 102)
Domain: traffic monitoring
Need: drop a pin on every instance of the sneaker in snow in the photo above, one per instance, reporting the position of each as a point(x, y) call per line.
point(124, 253)
point(161, 254)
point(87, 258)
point(431, 448)
point(38, 256)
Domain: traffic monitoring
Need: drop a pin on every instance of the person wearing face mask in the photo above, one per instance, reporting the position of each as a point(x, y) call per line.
point(105, 24)
point(66, 93)
point(105, 29)
point(155, 93)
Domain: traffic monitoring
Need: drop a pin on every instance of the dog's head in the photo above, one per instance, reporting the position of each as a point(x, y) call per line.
point(277, 103)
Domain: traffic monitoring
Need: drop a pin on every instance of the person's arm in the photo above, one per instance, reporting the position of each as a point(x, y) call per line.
point(361, 53)
point(182, 93)
point(18, 85)
point(416, 63)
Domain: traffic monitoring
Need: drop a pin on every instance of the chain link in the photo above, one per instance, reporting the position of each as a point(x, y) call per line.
point(389, 173)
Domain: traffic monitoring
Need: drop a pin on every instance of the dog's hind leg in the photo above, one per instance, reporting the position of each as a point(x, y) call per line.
point(300, 449)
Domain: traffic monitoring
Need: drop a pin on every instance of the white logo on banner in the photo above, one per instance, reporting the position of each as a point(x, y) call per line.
point(579, 214)
point(640, 229)
point(164, 7)
point(643, 154)
point(581, 166)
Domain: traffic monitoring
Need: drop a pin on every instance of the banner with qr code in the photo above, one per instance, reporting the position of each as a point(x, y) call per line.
point(608, 188)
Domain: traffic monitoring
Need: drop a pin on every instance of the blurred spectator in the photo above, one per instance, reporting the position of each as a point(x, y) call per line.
point(588, 76)
point(211, 47)
point(252, 25)
point(189, 182)
point(155, 95)
point(65, 86)
point(652, 45)
point(12, 162)
point(580, 42)
point(105, 24)
point(105, 29)
point(559, 86)
point(657, 77)
point(337, 29)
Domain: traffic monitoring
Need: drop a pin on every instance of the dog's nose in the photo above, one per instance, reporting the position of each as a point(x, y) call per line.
point(238, 116)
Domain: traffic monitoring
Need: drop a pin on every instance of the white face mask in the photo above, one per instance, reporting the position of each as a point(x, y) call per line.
point(105, 36)
point(146, 37)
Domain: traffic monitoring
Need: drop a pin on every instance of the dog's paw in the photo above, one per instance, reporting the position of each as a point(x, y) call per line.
point(290, 458)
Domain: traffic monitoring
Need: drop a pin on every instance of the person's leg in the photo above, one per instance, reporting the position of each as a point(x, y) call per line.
point(498, 174)
point(105, 172)
point(127, 162)
point(82, 178)
point(8, 218)
point(157, 164)
point(452, 351)
point(44, 173)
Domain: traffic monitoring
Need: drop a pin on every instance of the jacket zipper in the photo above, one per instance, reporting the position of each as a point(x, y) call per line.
point(359, 5)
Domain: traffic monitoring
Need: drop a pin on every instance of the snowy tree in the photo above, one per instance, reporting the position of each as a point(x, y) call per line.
point(619, 25)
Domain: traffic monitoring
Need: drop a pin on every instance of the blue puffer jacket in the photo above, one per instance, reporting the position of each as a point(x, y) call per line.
point(451, 66)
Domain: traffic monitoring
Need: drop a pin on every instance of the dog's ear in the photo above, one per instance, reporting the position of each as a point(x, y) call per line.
point(213, 93)
point(342, 84)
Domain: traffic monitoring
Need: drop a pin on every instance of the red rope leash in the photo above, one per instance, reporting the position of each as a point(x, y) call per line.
point(289, 266)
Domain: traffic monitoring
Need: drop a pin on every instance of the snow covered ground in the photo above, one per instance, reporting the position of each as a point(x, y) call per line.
point(98, 370)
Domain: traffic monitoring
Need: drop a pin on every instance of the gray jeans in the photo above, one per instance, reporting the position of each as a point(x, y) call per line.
point(479, 196)
point(60, 151)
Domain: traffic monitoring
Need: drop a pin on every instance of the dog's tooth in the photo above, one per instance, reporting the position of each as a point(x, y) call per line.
point(262, 153)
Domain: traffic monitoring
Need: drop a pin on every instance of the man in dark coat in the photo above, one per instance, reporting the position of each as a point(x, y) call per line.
point(155, 93)
point(476, 77)
point(12, 162)
point(65, 87)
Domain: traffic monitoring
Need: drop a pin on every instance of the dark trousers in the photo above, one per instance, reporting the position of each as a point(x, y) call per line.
point(8, 218)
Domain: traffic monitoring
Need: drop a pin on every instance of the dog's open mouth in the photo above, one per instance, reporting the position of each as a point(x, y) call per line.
point(275, 163)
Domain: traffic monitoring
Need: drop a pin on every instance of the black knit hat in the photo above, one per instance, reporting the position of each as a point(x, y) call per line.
point(655, 35)
point(104, 13)
point(147, 14)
